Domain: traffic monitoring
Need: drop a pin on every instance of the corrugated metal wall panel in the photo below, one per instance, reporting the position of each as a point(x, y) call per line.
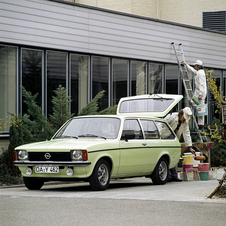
point(51, 24)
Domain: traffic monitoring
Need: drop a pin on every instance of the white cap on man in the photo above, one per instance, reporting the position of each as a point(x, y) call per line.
point(187, 113)
point(198, 62)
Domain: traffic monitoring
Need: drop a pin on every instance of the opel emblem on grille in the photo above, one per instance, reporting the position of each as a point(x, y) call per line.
point(47, 156)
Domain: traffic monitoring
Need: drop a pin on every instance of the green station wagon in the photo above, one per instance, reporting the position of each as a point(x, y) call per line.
point(97, 148)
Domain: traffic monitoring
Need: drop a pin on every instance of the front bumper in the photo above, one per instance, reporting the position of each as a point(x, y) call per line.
point(51, 163)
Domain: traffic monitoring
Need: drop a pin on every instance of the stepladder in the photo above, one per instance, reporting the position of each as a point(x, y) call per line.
point(179, 53)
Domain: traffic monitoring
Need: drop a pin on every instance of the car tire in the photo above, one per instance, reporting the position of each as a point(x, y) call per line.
point(161, 172)
point(100, 178)
point(33, 183)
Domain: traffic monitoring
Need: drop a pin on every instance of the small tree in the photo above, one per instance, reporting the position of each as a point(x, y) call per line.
point(109, 111)
point(92, 107)
point(38, 124)
point(61, 110)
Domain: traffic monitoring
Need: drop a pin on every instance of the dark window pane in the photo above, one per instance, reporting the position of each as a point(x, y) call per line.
point(138, 77)
point(100, 75)
point(79, 82)
point(56, 75)
point(32, 74)
point(155, 78)
point(120, 75)
point(172, 74)
point(8, 78)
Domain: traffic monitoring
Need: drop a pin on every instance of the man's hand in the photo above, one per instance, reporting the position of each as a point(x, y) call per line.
point(192, 151)
point(200, 97)
point(183, 62)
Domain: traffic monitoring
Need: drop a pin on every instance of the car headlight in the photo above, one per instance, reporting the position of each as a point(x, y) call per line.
point(22, 155)
point(79, 155)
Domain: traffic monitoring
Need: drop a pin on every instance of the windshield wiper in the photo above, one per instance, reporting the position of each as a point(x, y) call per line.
point(90, 135)
point(66, 136)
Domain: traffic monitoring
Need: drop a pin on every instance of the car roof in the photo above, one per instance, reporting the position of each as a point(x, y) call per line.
point(123, 116)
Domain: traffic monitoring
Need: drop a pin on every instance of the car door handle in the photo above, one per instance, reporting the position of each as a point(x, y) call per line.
point(144, 144)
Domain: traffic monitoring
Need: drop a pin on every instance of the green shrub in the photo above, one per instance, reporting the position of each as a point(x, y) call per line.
point(218, 156)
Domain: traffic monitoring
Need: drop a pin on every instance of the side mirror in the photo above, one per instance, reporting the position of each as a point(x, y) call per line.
point(129, 136)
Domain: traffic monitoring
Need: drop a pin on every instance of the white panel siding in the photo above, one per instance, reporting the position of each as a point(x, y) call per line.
point(50, 24)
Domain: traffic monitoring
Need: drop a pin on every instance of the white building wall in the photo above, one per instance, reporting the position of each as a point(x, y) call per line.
point(50, 24)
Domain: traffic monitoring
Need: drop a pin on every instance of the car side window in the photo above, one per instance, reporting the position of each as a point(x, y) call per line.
point(150, 129)
point(164, 130)
point(131, 126)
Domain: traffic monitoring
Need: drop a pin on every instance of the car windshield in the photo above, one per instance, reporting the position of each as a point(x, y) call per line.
point(145, 105)
point(103, 127)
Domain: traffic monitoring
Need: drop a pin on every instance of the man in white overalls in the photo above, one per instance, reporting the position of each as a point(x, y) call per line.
point(200, 86)
point(179, 124)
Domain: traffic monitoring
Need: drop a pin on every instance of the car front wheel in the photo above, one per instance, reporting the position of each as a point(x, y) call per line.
point(161, 172)
point(100, 178)
point(33, 183)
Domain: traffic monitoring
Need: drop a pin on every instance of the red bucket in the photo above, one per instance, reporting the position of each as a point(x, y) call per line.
point(203, 167)
point(187, 168)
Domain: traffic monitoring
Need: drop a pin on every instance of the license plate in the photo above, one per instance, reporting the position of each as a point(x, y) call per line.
point(47, 169)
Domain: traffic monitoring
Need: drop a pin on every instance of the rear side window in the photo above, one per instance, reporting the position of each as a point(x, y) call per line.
point(131, 126)
point(164, 130)
point(150, 129)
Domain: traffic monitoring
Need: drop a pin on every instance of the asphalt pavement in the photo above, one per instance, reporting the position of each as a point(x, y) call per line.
point(136, 188)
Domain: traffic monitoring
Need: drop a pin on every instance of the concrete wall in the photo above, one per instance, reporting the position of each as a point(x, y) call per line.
point(188, 11)
point(51, 24)
point(179, 11)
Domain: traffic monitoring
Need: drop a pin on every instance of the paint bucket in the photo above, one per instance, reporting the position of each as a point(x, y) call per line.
point(201, 109)
point(203, 167)
point(188, 176)
point(187, 159)
point(204, 175)
point(213, 175)
point(195, 162)
point(187, 168)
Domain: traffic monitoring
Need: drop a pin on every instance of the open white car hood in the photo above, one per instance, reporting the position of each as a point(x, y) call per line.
point(155, 105)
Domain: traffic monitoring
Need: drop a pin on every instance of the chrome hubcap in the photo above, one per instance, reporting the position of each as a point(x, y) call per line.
point(103, 174)
point(163, 171)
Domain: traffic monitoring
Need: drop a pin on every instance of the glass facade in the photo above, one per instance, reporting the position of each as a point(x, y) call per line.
point(32, 72)
point(120, 79)
point(84, 76)
point(79, 82)
point(138, 80)
point(155, 79)
point(100, 79)
point(56, 75)
point(8, 84)
point(224, 85)
point(210, 98)
point(172, 74)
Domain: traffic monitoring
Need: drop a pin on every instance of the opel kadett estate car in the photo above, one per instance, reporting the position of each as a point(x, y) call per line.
point(97, 148)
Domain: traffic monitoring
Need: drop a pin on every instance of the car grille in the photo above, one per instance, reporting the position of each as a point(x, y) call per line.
point(49, 156)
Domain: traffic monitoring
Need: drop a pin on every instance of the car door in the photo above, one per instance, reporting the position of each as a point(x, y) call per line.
point(132, 151)
point(153, 144)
